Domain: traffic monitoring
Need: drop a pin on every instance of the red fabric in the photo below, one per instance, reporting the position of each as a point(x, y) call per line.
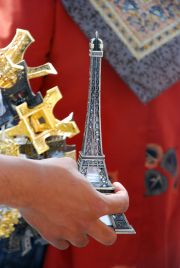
point(127, 126)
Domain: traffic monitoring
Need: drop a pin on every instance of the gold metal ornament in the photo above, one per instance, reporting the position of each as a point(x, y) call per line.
point(16, 49)
point(8, 218)
point(9, 147)
point(71, 154)
point(11, 55)
point(45, 69)
point(39, 122)
point(8, 71)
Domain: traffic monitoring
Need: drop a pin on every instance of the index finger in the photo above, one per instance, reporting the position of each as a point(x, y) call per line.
point(102, 233)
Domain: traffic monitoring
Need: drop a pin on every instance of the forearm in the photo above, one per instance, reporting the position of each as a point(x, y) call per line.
point(14, 181)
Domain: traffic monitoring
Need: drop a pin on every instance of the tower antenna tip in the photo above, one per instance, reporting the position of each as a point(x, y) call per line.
point(97, 34)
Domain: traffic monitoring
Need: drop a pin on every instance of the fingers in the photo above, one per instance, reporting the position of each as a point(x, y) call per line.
point(62, 239)
point(60, 244)
point(117, 202)
point(118, 187)
point(74, 236)
point(102, 233)
point(80, 240)
point(59, 236)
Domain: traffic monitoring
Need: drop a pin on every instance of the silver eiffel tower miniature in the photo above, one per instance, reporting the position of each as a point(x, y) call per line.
point(91, 160)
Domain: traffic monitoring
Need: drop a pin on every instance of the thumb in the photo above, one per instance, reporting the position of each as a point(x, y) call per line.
point(118, 201)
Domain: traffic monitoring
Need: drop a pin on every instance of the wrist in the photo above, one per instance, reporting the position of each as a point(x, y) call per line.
point(16, 181)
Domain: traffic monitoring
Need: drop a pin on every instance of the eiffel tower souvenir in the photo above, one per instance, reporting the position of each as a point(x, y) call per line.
point(39, 122)
point(15, 75)
point(20, 92)
point(91, 160)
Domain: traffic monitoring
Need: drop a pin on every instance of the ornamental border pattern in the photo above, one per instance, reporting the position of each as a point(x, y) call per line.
point(143, 26)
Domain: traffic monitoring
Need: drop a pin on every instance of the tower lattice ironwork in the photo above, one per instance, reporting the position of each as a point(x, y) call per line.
point(91, 160)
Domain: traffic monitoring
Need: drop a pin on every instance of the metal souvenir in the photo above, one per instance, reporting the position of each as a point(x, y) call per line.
point(39, 122)
point(91, 159)
point(14, 76)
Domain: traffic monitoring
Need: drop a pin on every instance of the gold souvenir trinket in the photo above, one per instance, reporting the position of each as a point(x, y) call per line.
point(39, 122)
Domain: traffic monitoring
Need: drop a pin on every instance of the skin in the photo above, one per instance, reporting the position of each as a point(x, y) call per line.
point(58, 201)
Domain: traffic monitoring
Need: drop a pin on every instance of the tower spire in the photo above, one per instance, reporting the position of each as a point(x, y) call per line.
point(97, 34)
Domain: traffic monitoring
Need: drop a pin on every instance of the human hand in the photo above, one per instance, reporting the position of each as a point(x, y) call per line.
point(64, 207)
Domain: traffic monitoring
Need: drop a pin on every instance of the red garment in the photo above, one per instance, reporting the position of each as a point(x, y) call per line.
point(128, 126)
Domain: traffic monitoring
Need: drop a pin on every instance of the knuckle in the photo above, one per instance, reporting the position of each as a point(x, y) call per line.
point(53, 235)
point(81, 243)
point(56, 239)
point(61, 244)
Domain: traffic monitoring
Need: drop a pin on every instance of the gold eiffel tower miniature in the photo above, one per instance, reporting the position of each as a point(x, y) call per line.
point(13, 54)
point(39, 122)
